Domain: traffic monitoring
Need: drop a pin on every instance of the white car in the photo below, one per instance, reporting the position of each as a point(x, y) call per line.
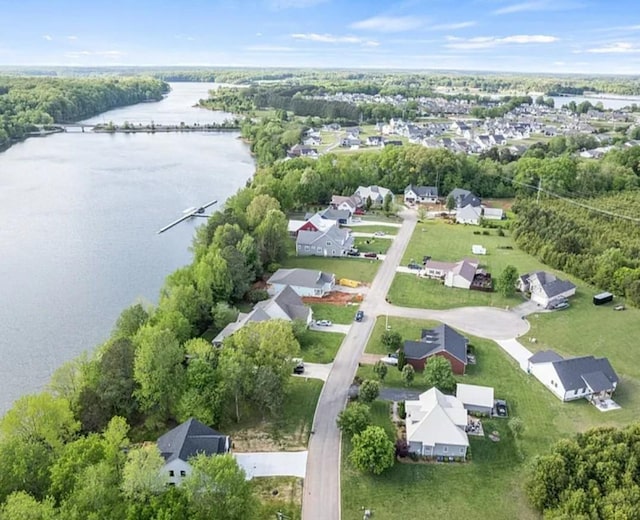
point(323, 323)
point(379, 234)
point(388, 360)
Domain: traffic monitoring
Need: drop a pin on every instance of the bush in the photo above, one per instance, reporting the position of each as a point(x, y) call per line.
point(401, 410)
point(369, 391)
point(500, 232)
point(486, 232)
point(402, 448)
point(257, 295)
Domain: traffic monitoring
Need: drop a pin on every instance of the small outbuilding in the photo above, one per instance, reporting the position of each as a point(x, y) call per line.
point(475, 399)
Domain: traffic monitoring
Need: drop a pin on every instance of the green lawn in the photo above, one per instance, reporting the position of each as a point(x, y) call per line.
point(374, 244)
point(320, 347)
point(343, 314)
point(289, 431)
point(388, 230)
point(409, 290)
point(492, 480)
point(363, 270)
point(279, 494)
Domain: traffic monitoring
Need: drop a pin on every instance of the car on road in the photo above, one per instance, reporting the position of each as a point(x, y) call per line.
point(298, 367)
point(379, 234)
point(359, 315)
point(370, 255)
point(389, 360)
point(323, 323)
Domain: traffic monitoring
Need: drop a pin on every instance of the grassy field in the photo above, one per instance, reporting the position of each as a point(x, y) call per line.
point(320, 347)
point(290, 431)
point(342, 314)
point(362, 270)
point(388, 230)
point(375, 245)
point(492, 480)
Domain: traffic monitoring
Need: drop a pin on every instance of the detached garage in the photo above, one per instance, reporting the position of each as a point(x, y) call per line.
point(475, 399)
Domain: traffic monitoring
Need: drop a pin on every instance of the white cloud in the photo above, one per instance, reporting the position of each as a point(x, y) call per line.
point(332, 38)
point(104, 54)
point(47, 37)
point(388, 24)
point(72, 38)
point(293, 4)
point(616, 48)
point(268, 48)
point(258, 34)
point(539, 5)
point(486, 42)
point(452, 26)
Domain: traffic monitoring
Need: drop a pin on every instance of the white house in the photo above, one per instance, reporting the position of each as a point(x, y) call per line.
point(462, 274)
point(545, 287)
point(377, 194)
point(475, 399)
point(426, 194)
point(305, 282)
point(436, 425)
point(186, 440)
point(346, 203)
point(469, 215)
point(574, 378)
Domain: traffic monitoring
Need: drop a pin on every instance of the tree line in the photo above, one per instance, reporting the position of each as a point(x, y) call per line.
point(594, 475)
point(29, 101)
point(601, 249)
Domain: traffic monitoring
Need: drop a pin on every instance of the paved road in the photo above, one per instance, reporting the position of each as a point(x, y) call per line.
point(321, 500)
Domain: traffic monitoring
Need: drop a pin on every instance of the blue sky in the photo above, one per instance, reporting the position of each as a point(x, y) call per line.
point(586, 36)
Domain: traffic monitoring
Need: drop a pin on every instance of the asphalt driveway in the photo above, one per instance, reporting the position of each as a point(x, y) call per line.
point(335, 327)
point(398, 394)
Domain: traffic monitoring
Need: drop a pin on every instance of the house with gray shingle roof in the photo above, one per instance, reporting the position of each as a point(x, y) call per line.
point(285, 305)
point(305, 282)
point(332, 242)
point(545, 287)
point(441, 341)
point(585, 377)
point(187, 440)
point(426, 194)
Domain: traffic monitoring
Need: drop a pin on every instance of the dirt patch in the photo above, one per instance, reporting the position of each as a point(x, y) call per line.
point(334, 298)
point(369, 359)
point(279, 489)
point(256, 440)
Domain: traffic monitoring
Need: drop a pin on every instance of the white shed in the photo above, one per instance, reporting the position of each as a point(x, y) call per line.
point(478, 250)
point(474, 398)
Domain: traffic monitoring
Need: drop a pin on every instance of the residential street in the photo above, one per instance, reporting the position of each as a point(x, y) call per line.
point(321, 500)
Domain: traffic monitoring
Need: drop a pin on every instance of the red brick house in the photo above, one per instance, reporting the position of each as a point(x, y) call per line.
point(441, 341)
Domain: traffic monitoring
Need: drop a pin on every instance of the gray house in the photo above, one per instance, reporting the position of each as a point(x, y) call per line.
point(464, 198)
point(428, 194)
point(332, 242)
point(305, 282)
point(436, 426)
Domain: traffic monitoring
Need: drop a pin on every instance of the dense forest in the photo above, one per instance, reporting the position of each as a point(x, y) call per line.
point(599, 248)
point(27, 101)
point(595, 475)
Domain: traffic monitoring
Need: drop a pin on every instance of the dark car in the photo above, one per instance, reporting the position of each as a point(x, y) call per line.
point(299, 368)
point(353, 252)
point(359, 315)
point(500, 408)
point(370, 255)
point(413, 265)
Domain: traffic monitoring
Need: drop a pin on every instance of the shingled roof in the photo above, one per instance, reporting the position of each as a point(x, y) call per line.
point(191, 438)
point(433, 341)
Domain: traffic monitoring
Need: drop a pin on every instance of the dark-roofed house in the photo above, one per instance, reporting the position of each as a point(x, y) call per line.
point(339, 216)
point(464, 198)
point(186, 440)
point(574, 378)
point(459, 274)
point(427, 194)
point(376, 193)
point(441, 341)
point(545, 287)
point(285, 305)
point(332, 242)
point(305, 282)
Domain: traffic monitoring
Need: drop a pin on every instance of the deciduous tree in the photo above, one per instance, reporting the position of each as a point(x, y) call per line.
point(354, 418)
point(408, 374)
point(507, 281)
point(369, 391)
point(380, 369)
point(438, 373)
point(372, 450)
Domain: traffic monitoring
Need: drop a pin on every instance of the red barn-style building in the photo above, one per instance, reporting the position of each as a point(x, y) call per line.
point(441, 341)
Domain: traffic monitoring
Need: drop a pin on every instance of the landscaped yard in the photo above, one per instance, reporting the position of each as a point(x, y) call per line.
point(320, 347)
point(343, 314)
point(374, 245)
point(363, 270)
point(290, 431)
point(492, 481)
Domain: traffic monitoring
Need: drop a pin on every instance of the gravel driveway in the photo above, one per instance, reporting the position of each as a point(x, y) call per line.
point(273, 464)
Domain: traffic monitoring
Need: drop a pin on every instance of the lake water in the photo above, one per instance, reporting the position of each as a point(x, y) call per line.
point(609, 102)
point(78, 220)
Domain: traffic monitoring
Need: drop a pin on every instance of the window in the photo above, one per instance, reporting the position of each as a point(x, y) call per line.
point(461, 450)
point(445, 449)
point(183, 473)
point(328, 243)
point(171, 473)
point(306, 248)
point(319, 249)
point(333, 252)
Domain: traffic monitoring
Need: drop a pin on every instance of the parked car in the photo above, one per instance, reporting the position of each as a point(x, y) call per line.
point(370, 255)
point(388, 360)
point(620, 307)
point(353, 252)
point(379, 234)
point(500, 408)
point(413, 265)
point(559, 306)
point(359, 211)
point(323, 323)
point(359, 315)
point(299, 368)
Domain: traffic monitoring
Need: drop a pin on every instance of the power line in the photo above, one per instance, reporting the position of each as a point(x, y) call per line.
point(539, 189)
